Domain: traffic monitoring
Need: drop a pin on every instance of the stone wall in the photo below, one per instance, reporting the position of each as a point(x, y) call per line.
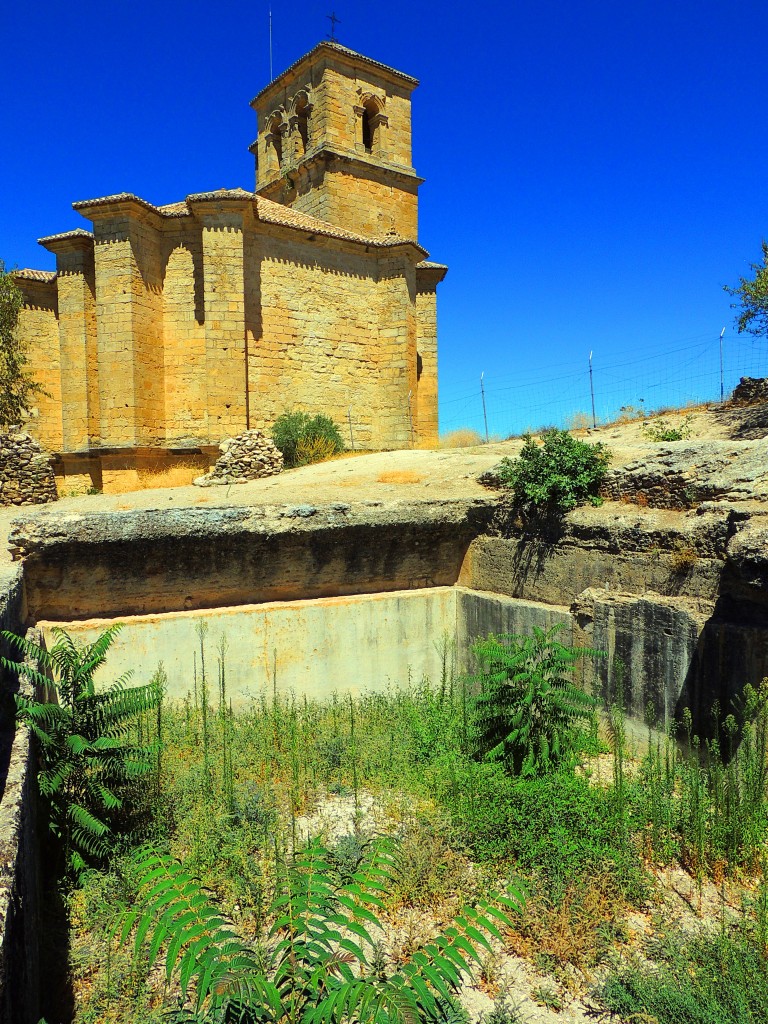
point(333, 331)
point(180, 333)
point(26, 472)
point(39, 323)
point(20, 882)
point(248, 456)
point(750, 391)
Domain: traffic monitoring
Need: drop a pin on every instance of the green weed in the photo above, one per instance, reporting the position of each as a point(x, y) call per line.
point(708, 979)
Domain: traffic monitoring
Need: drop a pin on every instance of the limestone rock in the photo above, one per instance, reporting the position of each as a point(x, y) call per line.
point(750, 391)
point(682, 474)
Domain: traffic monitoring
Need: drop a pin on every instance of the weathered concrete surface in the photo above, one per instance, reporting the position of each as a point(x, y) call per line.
point(478, 614)
point(318, 647)
point(159, 560)
point(313, 648)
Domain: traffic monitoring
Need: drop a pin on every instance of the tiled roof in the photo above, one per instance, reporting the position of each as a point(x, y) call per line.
point(219, 193)
point(266, 210)
point(343, 50)
point(276, 213)
point(174, 209)
point(120, 197)
point(74, 233)
point(46, 276)
point(428, 265)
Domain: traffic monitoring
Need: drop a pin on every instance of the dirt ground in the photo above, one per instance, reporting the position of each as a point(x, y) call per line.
point(381, 477)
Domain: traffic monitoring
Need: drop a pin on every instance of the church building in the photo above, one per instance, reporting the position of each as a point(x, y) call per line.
point(165, 329)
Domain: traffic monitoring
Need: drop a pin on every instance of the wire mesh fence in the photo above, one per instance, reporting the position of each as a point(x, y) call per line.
point(663, 376)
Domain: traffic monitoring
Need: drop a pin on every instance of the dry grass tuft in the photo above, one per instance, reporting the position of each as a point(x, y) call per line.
point(399, 476)
point(683, 558)
point(314, 449)
point(580, 930)
point(462, 438)
point(579, 421)
point(180, 475)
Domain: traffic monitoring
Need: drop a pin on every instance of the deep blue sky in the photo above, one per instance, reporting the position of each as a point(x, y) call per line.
point(595, 171)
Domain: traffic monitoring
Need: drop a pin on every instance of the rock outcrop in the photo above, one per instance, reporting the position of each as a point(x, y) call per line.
point(750, 391)
point(682, 474)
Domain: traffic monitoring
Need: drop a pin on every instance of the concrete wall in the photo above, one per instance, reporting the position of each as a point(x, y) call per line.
point(667, 654)
point(349, 644)
point(310, 647)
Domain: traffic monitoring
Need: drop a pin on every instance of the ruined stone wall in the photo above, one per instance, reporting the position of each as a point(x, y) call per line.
point(26, 472)
point(249, 456)
point(20, 836)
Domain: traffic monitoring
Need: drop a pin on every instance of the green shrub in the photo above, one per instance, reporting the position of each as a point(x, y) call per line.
point(304, 439)
point(663, 430)
point(557, 826)
point(710, 979)
point(529, 715)
point(550, 479)
point(706, 806)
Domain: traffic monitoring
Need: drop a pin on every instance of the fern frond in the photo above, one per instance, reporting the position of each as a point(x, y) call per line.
point(203, 949)
point(27, 671)
point(27, 647)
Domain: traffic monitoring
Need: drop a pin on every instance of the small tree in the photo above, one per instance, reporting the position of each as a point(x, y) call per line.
point(88, 766)
point(752, 296)
point(530, 715)
point(17, 385)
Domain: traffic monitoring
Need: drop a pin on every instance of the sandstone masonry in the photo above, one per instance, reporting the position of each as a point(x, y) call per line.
point(26, 472)
point(166, 328)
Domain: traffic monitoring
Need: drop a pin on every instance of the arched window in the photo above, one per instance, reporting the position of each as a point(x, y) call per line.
point(302, 111)
point(371, 122)
point(275, 142)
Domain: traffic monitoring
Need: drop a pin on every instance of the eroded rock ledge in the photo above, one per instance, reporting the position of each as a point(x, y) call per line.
point(156, 560)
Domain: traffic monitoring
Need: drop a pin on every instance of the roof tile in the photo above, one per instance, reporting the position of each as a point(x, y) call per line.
point(26, 274)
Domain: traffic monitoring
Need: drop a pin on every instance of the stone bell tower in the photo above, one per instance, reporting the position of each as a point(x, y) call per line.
point(334, 141)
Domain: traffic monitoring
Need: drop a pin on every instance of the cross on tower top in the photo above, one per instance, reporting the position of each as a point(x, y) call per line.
point(334, 22)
